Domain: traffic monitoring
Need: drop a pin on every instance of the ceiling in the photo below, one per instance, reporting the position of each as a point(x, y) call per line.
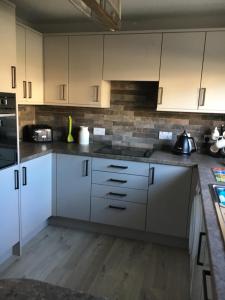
point(62, 16)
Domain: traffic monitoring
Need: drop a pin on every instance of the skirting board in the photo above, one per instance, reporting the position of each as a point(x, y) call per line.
point(119, 232)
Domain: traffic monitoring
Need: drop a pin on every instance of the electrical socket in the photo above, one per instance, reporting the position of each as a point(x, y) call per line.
point(165, 135)
point(99, 131)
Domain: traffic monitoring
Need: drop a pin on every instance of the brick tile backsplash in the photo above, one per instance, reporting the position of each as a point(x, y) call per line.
point(130, 121)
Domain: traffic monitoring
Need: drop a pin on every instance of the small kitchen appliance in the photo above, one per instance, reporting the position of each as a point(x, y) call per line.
point(37, 133)
point(184, 144)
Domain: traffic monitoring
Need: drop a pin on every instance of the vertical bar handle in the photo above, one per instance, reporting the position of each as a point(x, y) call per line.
point(16, 179)
point(62, 92)
point(199, 263)
point(160, 95)
point(201, 99)
point(152, 176)
point(24, 175)
point(13, 74)
point(85, 168)
point(24, 89)
point(205, 273)
point(29, 89)
point(95, 93)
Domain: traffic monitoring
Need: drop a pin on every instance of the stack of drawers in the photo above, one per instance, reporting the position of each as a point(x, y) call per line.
point(119, 193)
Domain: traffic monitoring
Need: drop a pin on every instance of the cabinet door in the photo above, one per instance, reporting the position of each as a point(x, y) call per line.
point(168, 200)
point(180, 74)
point(85, 69)
point(9, 209)
point(8, 47)
point(21, 91)
point(213, 76)
point(56, 69)
point(34, 66)
point(36, 193)
point(73, 186)
point(132, 57)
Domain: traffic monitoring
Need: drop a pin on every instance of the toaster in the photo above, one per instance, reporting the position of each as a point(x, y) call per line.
point(37, 133)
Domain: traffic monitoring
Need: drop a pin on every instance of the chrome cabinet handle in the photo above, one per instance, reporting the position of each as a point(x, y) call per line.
point(199, 263)
point(29, 89)
point(117, 207)
point(24, 175)
point(152, 175)
point(24, 89)
point(62, 92)
point(205, 273)
point(201, 99)
point(13, 74)
point(16, 179)
point(160, 95)
point(95, 93)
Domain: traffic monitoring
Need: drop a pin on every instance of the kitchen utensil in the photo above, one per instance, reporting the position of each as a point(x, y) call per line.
point(70, 138)
point(184, 144)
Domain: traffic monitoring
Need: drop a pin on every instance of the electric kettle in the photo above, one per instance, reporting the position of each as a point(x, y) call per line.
point(184, 144)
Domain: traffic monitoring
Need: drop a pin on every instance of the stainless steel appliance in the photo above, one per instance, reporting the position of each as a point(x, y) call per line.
point(37, 133)
point(8, 130)
point(184, 144)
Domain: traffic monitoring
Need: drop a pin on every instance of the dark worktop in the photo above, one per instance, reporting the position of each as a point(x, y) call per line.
point(203, 162)
point(26, 289)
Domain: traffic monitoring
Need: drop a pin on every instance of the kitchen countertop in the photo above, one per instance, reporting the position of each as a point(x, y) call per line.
point(203, 162)
point(27, 289)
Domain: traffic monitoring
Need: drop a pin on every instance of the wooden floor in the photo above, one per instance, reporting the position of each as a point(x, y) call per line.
point(103, 265)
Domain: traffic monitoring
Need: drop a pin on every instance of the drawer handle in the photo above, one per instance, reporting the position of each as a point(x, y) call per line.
point(117, 180)
point(199, 263)
point(117, 207)
point(118, 167)
point(205, 273)
point(117, 194)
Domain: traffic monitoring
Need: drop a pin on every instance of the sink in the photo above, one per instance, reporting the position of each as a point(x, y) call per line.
point(218, 196)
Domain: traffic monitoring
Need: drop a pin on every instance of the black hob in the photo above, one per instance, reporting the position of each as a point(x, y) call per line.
point(124, 151)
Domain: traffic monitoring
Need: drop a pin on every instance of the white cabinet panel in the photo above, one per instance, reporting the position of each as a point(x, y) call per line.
point(9, 209)
point(56, 69)
point(180, 74)
point(168, 200)
point(30, 66)
point(73, 186)
point(86, 87)
point(132, 57)
point(8, 47)
point(36, 193)
point(213, 76)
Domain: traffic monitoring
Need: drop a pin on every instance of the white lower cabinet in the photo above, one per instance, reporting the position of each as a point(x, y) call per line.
point(168, 200)
point(9, 208)
point(36, 193)
point(200, 274)
point(73, 186)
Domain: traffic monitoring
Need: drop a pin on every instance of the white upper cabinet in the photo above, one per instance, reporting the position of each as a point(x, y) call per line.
point(132, 57)
point(8, 47)
point(30, 66)
point(213, 76)
point(56, 69)
point(180, 74)
point(86, 87)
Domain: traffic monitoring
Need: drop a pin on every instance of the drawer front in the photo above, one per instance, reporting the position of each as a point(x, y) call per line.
point(118, 193)
point(120, 166)
point(120, 180)
point(118, 213)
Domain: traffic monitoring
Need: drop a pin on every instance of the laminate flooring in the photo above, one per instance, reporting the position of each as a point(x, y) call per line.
point(102, 265)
